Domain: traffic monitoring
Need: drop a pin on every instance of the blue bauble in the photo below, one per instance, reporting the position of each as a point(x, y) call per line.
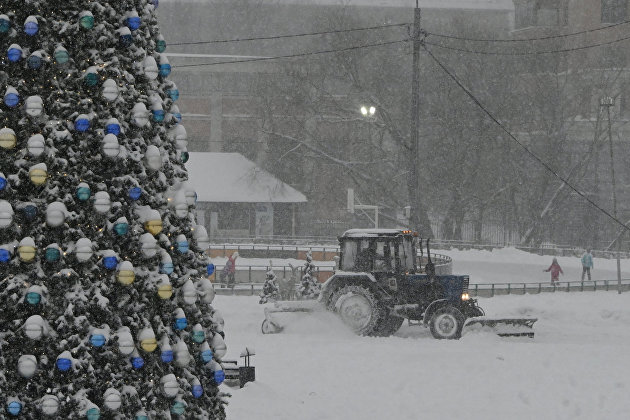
point(64, 364)
point(198, 336)
point(184, 156)
point(210, 269)
point(137, 362)
point(167, 268)
point(133, 22)
point(181, 323)
point(173, 94)
point(11, 99)
point(97, 340)
point(160, 46)
point(5, 25)
point(82, 125)
point(178, 408)
point(158, 115)
point(110, 263)
point(135, 193)
point(14, 55)
point(34, 62)
point(197, 391)
point(14, 408)
point(52, 254)
point(155, 3)
point(126, 40)
point(112, 129)
point(93, 414)
point(30, 212)
point(178, 117)
point(206, 356)
point(141, 417)
point(121, 229)
point(219, 376)
point(31, 28)
point(33, 298)
point(182, 247)
point(3, 183)
point(5, 255)
point(165, 70)
point(83, 193)
point(167, 356)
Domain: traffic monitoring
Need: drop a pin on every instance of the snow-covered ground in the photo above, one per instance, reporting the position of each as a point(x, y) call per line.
point(577, 367)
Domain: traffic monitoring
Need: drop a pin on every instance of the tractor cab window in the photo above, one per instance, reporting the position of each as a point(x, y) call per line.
point(383, 258)
point(349, 255)
point(405, 253)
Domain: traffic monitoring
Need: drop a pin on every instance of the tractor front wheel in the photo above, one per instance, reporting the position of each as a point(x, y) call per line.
point(447, 323)
point(358, 308)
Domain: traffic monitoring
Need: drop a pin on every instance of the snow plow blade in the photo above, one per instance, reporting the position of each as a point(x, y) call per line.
point(506, 327)
point(271, 324)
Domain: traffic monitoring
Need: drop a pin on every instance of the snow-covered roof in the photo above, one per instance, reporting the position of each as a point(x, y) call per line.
point(427, 4)
point(231, 178)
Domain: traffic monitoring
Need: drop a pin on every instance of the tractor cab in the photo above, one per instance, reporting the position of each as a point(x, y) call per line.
point(379, 251)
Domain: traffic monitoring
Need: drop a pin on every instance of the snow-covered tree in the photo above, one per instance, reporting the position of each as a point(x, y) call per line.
point(106, 310)
point(309, 286)
point(270, 291)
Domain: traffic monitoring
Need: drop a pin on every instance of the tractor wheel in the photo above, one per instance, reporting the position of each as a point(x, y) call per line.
point(447, 323)
point(358, 308)
point(389, 325)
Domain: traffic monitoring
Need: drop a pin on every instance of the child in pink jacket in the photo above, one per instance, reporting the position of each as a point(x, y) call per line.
point(555, 270)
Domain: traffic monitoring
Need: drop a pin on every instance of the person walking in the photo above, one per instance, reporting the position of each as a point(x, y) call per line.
point(555, 270)
point(587, 264)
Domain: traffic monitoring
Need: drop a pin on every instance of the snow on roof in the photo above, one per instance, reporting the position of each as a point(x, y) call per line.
point(231, 178)
point(428, 4)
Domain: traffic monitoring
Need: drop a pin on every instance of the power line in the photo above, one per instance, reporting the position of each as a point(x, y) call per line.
point(220, 41)
point(305, 54)
point(542, 38)
point(522, 53)
point(531, 153)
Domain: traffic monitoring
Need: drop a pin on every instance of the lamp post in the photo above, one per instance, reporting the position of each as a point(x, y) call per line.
point(609, 102)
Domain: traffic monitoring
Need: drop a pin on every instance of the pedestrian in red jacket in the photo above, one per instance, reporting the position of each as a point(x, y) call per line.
point(555, 270)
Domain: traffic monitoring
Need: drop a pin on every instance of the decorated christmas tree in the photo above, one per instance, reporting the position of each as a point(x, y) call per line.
point(105, 305)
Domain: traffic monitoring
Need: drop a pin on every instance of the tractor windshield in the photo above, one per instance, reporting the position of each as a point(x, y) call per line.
point(405, 253)
point(349, 255)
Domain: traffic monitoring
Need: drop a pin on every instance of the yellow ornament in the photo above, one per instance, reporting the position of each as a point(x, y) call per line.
point(165, 291)
point(153, 226)
point(148, 344)
point(7, 139)
point(27, 253)
point(38, 176)
point(126, 277)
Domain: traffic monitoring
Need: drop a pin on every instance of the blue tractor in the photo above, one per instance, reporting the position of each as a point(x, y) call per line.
point(380, 282)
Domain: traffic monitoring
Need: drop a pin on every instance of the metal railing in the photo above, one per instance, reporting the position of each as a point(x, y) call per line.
point(478, 289)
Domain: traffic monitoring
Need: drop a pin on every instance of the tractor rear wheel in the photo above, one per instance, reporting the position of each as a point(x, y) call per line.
point(358, 308)
point(446, 323)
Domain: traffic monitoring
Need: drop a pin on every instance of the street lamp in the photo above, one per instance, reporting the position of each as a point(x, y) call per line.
point(609, 102)
point(368, 111)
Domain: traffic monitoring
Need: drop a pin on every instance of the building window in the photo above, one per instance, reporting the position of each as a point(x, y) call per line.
point(614, 11)
point(525, 14)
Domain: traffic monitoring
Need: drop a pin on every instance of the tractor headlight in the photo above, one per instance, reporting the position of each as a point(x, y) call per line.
point(465, 296)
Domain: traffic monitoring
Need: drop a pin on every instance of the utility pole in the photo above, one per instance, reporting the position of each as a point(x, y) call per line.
point(414, 172)
point(608, 102)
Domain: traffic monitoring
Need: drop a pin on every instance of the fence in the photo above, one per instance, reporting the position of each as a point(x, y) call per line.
point(480, 289)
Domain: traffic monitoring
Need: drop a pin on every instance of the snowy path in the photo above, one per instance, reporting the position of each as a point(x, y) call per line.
point(576, 368)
